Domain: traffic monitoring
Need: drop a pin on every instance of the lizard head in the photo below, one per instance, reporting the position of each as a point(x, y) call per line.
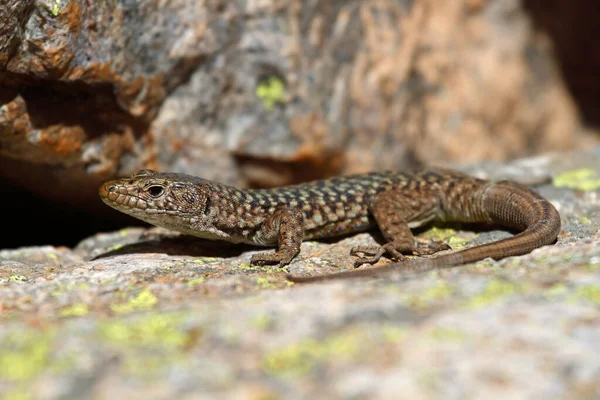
point(161, 199)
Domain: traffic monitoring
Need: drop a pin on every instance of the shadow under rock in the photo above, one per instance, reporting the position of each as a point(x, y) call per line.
point(180, 246)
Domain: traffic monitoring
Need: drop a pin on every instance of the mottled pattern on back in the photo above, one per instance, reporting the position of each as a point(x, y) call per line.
point(333, 206)
point(207, 209)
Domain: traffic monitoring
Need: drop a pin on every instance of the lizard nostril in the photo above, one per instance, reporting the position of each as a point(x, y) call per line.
point(106, 189)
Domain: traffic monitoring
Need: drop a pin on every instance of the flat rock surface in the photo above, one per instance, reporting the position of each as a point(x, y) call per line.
point(145, 313)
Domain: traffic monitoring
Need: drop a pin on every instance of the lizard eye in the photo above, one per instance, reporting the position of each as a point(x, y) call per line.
point(155, 191)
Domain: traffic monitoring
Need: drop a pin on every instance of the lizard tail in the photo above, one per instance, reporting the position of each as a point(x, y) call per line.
point(505, 203)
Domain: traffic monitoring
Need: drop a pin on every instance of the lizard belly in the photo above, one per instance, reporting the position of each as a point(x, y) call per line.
point(339, 228)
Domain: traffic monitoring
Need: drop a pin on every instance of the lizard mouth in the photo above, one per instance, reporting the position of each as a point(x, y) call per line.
point(119, 196)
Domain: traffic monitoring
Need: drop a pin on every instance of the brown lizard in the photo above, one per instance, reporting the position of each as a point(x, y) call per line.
point(394, 202)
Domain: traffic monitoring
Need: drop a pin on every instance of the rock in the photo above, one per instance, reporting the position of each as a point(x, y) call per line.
point(153, 314)
point(266, 93)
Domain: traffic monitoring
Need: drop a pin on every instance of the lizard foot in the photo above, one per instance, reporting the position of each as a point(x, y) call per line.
point(282, 258)
point(376, 253)
point(430, 247)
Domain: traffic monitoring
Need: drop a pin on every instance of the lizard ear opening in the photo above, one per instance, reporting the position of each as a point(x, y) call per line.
point(207, 206)
point(155, 191)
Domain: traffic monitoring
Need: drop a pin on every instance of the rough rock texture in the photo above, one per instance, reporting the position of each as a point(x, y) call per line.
point(268, 92)
point(152, 314)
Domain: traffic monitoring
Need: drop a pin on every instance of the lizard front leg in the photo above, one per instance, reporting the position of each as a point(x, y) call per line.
point(287, 225)
point(392, 211)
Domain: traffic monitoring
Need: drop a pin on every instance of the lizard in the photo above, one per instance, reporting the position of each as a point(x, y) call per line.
point(395, 202)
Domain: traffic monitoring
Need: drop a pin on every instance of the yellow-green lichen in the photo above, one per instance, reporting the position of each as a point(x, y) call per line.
point(434, 294)
point(262, 322)
point(24, 355)
point(483, 264)
point(160, 331)
point(149, 367)
point(56, 7)
point(439, 233)
point(204, 260)
point(264, 283)
point(256, 268)
point(447, 335)
point(449, 236)
point(581, 179)
point(271, 91)
point(18, 393)
point(556, 291)
point(589, 293)
point(21, 392)
point(495, 290)
point(196, 281)
point(115, 247)
point(16, 278)
point(149, 344)
point(300, 358)
point(123, 232)
point(593, 267)
point(75, 310)
point(143, 301)
point(69, 287)
point(60, 289)
point(393, 334)
point(585, 220)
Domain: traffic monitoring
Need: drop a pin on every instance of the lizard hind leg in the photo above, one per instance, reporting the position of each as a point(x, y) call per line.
point(393, 210)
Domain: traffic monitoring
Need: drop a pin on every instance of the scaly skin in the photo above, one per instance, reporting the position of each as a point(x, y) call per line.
point(394, 202)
